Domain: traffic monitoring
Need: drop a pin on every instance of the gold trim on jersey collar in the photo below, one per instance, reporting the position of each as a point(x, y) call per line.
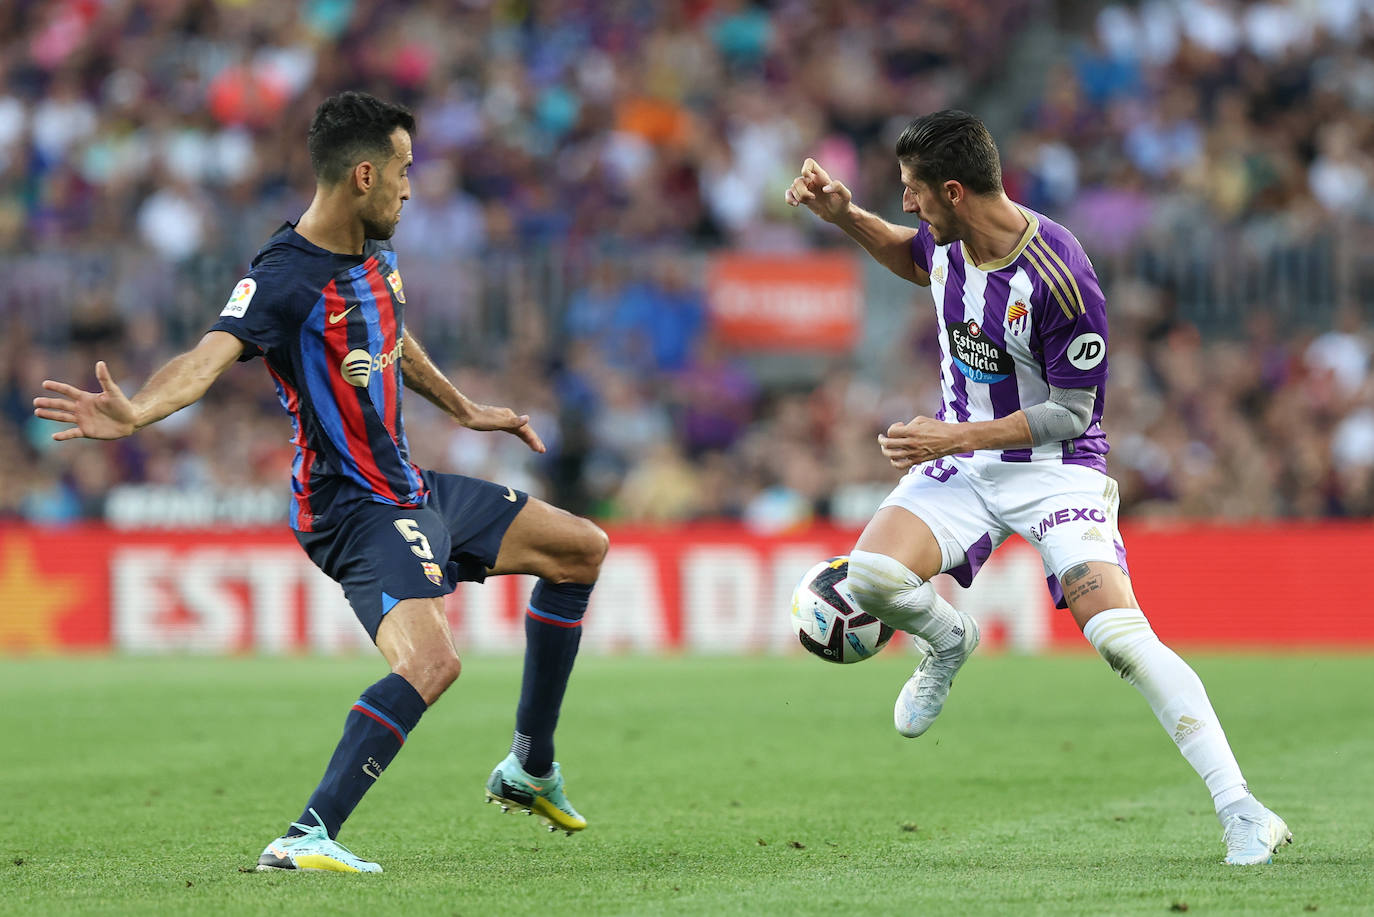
point(990, 266)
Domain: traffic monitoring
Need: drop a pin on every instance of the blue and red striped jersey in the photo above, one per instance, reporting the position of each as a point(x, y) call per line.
point(330, 328)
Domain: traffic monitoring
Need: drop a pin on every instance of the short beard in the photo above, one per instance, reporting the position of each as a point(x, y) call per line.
point(378, 231)
point(950, 231)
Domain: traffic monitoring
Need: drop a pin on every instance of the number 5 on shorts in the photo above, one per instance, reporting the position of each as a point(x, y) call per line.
point(410, 531)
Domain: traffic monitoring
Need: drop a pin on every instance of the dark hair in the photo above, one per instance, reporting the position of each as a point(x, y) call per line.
point(951, 145)
point(351, 127)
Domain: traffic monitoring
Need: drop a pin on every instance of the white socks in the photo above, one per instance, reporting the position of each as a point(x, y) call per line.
point(1175, 694)
point(890, 592)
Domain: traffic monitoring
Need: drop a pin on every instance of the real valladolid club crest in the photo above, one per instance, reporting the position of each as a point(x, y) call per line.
point(1016, 317)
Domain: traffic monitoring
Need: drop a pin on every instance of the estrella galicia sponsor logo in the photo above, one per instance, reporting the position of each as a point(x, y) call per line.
point(976, 356)
point(359, 365)
point(1059, 517)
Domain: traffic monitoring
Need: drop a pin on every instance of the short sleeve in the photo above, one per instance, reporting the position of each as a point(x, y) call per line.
point(922, 245)
point(1073, 327)
point(256, 313)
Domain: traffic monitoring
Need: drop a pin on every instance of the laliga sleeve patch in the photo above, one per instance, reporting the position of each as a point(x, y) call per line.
point(240, 298)
point(1086, 351)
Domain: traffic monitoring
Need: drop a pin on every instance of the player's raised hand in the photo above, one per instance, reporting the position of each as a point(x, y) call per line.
point(487, 417)
point(818, 192)
point(922, 440)
point(106, 414)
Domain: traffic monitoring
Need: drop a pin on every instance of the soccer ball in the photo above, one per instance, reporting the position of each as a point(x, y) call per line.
point(829, 623)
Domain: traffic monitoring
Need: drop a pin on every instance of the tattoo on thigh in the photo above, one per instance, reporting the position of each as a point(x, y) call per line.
point(1082, 588)
point(1074, 574)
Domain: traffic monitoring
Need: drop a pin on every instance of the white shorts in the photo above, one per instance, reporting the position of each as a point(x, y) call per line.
point(1067, 512)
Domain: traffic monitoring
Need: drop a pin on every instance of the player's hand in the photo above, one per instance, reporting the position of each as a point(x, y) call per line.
point(818, 192)
point(106, 414)
point(487, 417)
point(922, 440)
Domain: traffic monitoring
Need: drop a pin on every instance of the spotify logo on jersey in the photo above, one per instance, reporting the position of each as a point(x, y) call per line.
point(359, 365)
point(357, 368)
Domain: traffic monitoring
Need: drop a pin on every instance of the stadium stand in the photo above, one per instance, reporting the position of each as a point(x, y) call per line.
point(576, 162)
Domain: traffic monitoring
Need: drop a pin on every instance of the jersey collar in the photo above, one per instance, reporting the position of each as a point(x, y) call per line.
point(987, 267)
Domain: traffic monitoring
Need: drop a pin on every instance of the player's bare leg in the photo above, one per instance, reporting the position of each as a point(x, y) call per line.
point(417, 642)
point(1100, 596)
point(415, 639)
point(889, 573)
point(565, 552)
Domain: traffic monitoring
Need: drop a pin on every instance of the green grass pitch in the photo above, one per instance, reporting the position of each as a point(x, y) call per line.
point(754, 786)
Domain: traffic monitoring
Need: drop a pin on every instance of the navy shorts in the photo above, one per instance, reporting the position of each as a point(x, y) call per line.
point(382, 554)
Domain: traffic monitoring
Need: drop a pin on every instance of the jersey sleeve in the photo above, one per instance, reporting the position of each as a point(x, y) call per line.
point(257, 312)
point(1073, 326)
point(922, 245)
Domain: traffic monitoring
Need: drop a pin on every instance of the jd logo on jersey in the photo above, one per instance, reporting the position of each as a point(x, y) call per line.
point(976, 356)
point(1086, 350)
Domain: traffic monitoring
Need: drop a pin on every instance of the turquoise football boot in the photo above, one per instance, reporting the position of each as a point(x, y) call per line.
point(314, 850)
point(510, 786)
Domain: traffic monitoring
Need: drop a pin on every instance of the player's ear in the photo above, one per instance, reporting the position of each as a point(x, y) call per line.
point(364, 176)
point(954, 192)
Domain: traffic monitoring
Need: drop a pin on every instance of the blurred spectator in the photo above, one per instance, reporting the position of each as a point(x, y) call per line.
point(577, 162)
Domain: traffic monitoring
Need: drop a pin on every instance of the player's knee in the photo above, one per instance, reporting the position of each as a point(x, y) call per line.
point(431, 673)
point(879, 582)
point(1121, 636)
point(582, 554)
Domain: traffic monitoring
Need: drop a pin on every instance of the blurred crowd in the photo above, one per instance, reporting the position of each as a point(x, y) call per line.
point(577, 161)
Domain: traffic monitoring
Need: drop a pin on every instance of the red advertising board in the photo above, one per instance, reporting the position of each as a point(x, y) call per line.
point(810, 302)
point(719, 589)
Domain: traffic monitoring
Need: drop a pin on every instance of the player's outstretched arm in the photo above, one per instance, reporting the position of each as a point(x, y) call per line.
point(422, 376)
point(829, 199)
point(110, 414)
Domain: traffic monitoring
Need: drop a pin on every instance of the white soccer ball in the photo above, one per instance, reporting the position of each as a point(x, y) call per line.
point(829, 623)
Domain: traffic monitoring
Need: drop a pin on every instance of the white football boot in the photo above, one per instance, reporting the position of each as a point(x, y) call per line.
point(1252, 839)
point(923, 696)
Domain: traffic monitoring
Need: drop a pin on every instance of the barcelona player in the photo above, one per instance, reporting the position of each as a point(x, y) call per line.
point(323, 306)
point(1017, 446)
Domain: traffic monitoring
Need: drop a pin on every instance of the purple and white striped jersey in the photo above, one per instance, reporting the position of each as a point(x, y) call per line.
point(1010, 328)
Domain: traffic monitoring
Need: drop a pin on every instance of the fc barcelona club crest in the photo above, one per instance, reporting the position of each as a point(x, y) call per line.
point(394, 281)
point(1016, 317)
point(433, 573)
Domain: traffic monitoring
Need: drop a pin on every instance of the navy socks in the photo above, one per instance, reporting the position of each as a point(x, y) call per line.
point(553, 629)
point(374, 732)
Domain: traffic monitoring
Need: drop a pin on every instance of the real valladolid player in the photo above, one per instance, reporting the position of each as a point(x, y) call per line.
point(323, 306)
point(1015, 448)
